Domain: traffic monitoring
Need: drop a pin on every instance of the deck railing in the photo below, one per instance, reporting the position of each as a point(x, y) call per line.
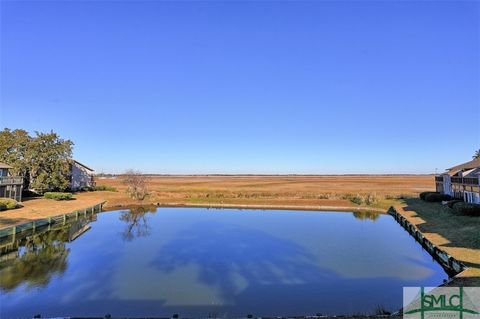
point(466, 180)
point(11, 180)
point(438, 178)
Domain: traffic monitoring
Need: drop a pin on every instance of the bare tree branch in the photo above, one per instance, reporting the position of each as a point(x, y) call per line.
point(136, 184)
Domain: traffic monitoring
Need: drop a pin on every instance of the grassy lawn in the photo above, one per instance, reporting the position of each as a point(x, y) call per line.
point(457, 235)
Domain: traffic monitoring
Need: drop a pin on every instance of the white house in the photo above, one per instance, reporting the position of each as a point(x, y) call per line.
point(461, 181)
point(80, 176)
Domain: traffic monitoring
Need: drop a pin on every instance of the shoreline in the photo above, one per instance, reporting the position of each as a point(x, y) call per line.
point(6, 221)
point(251, 206)
point(465, 276)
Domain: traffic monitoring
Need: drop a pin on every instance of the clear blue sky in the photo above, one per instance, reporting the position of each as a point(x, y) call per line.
point(247, 87)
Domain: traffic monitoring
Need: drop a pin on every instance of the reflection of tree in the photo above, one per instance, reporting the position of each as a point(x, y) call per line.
point(43, 256)
point(137, 222)
point(364, 215)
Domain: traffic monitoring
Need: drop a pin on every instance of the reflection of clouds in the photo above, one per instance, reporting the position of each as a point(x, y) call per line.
point(77, 290)
point(345, 245)
point(179, 287)
point(357, 249)
point(418, 268)
point(231, 258)
point(90, 278)
point(190, 261)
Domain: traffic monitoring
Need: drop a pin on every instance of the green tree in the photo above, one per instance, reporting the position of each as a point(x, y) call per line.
point(13, 147)
point(477, 154)
point(48, 157)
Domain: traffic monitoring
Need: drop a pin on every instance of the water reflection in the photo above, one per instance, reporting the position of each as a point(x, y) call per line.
point(232, 257)
point(366, 215)
point(147, 262)
point(136, 220)
point(40, 256)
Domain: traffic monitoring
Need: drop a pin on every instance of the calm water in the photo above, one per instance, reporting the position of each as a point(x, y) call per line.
point(201, 262)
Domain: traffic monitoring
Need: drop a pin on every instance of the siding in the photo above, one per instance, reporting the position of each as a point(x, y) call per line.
point(81, 177)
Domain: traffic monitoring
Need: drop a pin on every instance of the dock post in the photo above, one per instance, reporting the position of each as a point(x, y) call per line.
point(14, 233)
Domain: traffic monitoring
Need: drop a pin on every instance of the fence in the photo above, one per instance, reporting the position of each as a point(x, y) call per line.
point(10, 233)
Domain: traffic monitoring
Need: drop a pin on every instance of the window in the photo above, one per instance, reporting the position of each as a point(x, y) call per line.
point(471, 197)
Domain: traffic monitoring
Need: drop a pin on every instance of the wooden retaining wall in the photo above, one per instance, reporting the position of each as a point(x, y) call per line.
point(451, 265)
point(31, 226)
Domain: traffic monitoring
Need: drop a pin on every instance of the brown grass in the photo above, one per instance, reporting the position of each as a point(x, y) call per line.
point(308, 192)
point(458, 235)
point(283, 190)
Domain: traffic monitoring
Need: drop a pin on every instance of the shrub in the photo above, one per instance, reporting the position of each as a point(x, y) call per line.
point(105, 188)
point(467, 209)
point(405, 196)
point(371, 199)
point(57, 196)
point(381, 311)
point(324, 196)
point(29, 193)
point(436, 197)
point(99, 188)
point(357, 199)
point(452, 202)
point(424, 194)
point(7, 203)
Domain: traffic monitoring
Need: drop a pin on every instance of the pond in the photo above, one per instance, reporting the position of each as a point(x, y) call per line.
point(199, 262)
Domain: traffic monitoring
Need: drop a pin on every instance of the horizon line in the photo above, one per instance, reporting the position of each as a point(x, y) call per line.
point(253, 174)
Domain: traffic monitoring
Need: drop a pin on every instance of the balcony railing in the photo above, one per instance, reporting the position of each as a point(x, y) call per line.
point(466, 180)
point(438, 178)
point(11, 180)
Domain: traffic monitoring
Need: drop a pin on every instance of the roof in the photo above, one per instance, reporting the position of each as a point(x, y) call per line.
point(77, 162)
point(3, 165)
point(465, 166)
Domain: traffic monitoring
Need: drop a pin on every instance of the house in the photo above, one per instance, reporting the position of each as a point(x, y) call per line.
point(80, 176)
point(10, 186)
point(461, 181)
